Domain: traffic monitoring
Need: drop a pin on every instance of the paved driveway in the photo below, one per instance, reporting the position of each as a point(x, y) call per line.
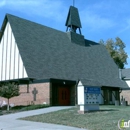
point(11, 122)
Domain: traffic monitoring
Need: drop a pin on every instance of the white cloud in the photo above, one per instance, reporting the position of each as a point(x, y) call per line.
point(98, 16)
point(104, 15)
point(44, 8)
point(96, 21)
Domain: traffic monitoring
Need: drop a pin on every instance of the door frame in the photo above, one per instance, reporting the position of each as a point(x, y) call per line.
point(55, 84)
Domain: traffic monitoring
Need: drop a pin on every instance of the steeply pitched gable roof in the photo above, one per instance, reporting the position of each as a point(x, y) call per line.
point(49, 53)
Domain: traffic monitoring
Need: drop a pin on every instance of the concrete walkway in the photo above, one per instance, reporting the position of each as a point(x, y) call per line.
point(11, 122)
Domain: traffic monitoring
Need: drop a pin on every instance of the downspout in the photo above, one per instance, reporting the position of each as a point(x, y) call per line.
point(120, 76)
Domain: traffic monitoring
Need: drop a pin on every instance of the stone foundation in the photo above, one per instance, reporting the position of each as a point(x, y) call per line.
point(42, 97)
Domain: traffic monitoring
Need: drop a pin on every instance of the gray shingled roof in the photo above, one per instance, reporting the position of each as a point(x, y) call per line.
point(126, 73)
point(49, 53)
point(90, 82)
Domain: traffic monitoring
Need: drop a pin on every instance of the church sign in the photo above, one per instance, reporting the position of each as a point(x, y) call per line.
point(88, 97)
point(91, 90)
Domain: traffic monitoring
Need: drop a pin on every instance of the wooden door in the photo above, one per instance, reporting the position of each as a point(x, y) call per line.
point(64, 96)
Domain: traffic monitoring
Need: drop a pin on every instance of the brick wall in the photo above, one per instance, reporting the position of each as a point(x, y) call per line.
point(126, 95)
point(43, 95)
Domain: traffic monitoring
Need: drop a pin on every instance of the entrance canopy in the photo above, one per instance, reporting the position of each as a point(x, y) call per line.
point(19, 81)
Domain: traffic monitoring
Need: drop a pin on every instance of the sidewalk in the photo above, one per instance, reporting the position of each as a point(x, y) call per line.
point(11, 121)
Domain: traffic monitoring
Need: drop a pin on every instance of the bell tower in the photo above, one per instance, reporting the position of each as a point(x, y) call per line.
point(73, 20)
point(74, 26)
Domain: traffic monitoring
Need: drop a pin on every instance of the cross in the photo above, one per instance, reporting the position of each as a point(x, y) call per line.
point(34, 92)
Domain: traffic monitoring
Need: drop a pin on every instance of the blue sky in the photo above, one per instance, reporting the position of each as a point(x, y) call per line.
point(101, 19)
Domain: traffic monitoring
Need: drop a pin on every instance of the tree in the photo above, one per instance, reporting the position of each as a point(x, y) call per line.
point(9, 90)
point(116, 51)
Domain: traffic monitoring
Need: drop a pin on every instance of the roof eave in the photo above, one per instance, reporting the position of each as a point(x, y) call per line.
point(3, 27)
point(126, 78)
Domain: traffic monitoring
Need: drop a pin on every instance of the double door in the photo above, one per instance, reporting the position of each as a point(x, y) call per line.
point(64, 96)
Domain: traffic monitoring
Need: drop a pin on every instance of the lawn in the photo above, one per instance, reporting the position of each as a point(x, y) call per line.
point(105, 119)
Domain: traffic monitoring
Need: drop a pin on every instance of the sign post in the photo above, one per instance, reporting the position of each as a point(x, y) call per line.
point(88, 98)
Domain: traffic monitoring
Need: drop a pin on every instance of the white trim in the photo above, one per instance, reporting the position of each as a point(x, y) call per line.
point(128, 82)
point(11, 63)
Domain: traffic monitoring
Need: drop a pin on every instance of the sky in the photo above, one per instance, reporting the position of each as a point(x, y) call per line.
point(100, 19)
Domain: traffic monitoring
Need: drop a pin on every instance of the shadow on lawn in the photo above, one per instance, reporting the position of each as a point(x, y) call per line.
point(103, 110)
point(108, 110)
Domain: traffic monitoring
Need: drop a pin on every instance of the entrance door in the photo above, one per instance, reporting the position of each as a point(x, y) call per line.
point(64, 96)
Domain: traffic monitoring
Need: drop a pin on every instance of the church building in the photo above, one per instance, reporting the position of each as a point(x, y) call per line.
point(48, 63)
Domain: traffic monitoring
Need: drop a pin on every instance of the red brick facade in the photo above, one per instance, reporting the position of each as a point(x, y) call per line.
point(126, 95)
point(43, 95)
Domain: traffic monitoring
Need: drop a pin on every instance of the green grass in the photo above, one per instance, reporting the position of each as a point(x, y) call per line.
point(105, 119)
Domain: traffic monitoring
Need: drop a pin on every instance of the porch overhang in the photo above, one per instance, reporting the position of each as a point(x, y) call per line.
point(19, 81)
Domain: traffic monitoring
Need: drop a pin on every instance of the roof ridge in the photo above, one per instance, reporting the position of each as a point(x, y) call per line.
point(8, 15)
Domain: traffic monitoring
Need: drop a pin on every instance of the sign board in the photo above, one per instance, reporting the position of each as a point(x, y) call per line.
point(88, 97)
point(91, 90)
